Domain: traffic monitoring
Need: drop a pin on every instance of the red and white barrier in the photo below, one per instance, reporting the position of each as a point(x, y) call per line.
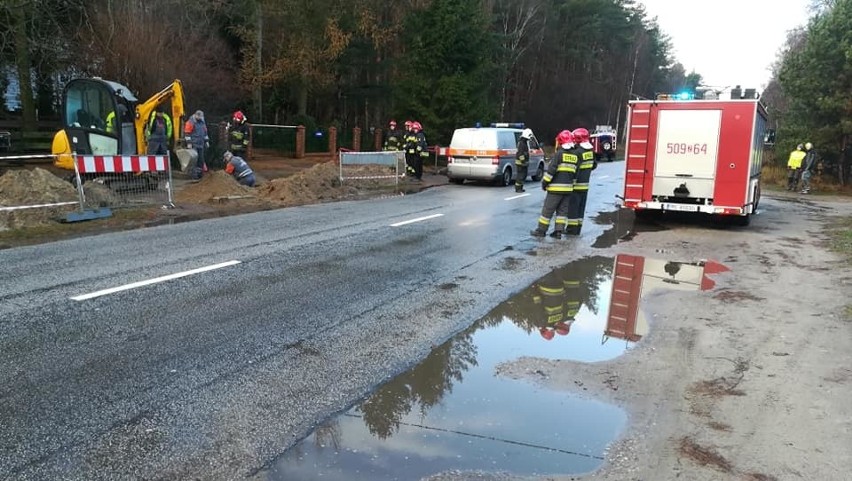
point(108, 164)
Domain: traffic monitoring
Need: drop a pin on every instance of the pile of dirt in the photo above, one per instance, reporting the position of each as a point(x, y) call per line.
point(213, 185)
point(33, 187)
point(321, 183)
point(37, 186)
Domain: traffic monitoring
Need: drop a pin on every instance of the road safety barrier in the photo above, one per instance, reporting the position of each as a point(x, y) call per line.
point(372, 166)
point(123, 180)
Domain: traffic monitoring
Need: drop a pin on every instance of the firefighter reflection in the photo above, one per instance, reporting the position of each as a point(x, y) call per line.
point(558, 297)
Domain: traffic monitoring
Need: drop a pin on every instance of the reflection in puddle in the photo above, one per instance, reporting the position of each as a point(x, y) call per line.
point(624, 227)
point(451, 413)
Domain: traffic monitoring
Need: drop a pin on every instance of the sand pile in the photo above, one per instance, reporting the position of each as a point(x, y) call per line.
point(212, 185)
point(321, 183)
point(33, 187)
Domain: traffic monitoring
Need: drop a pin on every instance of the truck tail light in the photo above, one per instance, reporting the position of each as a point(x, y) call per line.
point(450, 160)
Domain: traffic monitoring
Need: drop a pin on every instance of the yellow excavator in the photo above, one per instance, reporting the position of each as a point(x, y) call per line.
point(103, 117)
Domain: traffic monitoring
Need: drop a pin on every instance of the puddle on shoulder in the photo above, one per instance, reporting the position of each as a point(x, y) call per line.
point(450, 412)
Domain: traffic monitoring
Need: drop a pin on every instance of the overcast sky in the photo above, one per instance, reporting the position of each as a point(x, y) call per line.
point(728, 42)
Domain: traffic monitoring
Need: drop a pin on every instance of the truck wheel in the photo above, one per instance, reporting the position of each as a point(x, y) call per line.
point(506, 178)
point(457, 181)
point(539, 173)
point(741, 220)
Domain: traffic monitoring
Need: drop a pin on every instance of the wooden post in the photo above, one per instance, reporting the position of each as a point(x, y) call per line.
point(356, 139)
point(332, 140)
point(300, 142)
point(377, 140)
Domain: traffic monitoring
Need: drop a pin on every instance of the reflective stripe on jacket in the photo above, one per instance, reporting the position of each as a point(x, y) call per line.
point(562, 171)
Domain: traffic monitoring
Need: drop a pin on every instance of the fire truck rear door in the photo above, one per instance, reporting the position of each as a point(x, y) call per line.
point(686, 151)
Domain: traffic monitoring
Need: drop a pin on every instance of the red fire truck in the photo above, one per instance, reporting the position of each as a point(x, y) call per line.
point(701, 156)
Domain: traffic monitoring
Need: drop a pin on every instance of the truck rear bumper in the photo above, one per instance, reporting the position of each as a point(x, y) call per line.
point(697, 208)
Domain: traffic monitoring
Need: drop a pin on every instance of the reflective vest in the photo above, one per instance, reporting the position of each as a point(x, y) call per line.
point(562, 171)
point(796, 158)
point(159, 128)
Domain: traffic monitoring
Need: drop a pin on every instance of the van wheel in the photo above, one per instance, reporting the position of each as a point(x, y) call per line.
point(457, 181)
point(539, 173)
point(506, 179)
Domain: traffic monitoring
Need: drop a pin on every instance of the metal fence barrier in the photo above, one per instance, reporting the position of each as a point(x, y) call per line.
point(124, 180)
point(372, 166)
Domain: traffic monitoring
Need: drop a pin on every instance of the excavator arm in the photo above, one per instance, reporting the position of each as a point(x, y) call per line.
point(173, 93)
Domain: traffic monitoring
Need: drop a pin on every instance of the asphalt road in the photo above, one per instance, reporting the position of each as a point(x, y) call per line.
point(205, 349)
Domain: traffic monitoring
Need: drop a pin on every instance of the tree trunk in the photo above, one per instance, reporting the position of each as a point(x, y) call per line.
point(24, 66)
point(258, 88)
point(302, 100)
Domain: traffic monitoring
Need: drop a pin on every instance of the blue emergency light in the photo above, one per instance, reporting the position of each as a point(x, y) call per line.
point(511, 125)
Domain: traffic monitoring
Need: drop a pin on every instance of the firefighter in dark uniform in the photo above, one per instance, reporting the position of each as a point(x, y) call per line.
point(558, 181)
point(409, 146)
point(522, 159)
point(238, 134)
point(581, 182)
point(394, 138)
point(421, 150)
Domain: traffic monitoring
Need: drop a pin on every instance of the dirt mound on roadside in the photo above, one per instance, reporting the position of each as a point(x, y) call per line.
point(37, 186)
point(33, 187)
point(321, 183)
point(213, 185)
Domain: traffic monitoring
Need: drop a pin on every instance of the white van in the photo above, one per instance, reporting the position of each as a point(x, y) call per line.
point(488, 154)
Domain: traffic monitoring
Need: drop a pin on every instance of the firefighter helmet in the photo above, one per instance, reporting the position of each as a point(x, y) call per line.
point(239, 117)
point(526, 134)
point(565, 137)
point(546, 333)
point(392, 123)
point(581, 135)
point(562, 329)
point(408, 123)
point(800, 147)
point(809, 146)
point(416, 126)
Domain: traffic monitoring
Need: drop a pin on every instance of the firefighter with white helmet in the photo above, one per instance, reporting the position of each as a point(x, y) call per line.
point(808, 167)
point(522, 159)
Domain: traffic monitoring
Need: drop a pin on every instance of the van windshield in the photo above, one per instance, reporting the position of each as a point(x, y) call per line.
point(474, 139)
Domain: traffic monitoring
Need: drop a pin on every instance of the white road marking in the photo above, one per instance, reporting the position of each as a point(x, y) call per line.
point(156, 280)
point(603, 177)
point(516, 197)
point(419, 219)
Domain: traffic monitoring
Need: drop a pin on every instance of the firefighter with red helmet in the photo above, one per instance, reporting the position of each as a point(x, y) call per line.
point(559, 299)
point(394, 138)
point(421, 150)
point(238, 134)
point(585, 167)
point(558, 181)
point(409, 146)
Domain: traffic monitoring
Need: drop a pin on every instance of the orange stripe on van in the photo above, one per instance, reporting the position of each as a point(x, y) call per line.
point(480, 153)
point(488, 153)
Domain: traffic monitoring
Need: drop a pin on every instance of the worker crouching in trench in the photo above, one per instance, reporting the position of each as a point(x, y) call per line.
point(239, 168)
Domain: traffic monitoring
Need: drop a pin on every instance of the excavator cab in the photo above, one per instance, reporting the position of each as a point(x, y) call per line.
point(98, 119)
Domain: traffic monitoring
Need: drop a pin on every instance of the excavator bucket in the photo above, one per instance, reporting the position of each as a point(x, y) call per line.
point(187, 158)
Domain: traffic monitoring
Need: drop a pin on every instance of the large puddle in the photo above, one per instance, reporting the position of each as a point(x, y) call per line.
point(450, 412)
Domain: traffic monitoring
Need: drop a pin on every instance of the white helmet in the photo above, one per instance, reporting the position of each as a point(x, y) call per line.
point(526, 134)
point(809, 146)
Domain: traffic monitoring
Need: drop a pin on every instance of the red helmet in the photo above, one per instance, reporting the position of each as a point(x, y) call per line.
point(581, 135)
point(238, 116)
point(562, 328)
point(416, 126)
point(392, 123)
point(408, 123)
point(546, 333)
point(565, 137)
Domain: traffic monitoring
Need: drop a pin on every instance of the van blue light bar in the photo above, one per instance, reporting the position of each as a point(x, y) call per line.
point(511, 125)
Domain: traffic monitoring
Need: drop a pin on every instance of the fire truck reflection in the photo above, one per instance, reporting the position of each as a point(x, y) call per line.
point(558, 299)
point(636, 276)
